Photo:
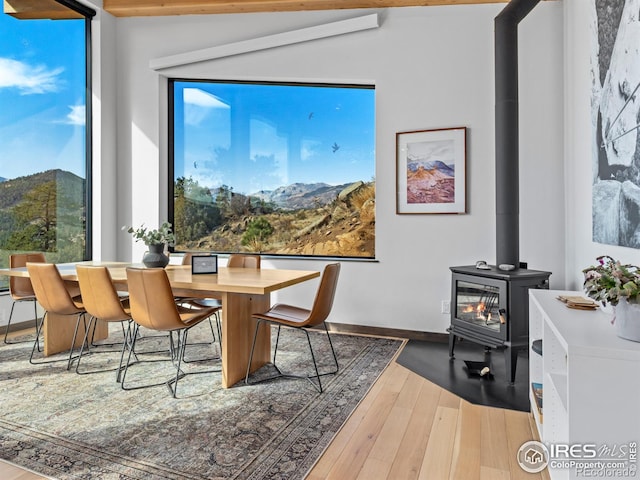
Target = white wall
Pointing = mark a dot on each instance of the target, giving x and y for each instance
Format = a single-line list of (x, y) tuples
[(433, 68), (105, 178)]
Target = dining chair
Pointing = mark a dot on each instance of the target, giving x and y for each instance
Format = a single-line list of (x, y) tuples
[(102, 302), (54, 297), (20, 288), (243, 260), (284, 315), (153, 306)]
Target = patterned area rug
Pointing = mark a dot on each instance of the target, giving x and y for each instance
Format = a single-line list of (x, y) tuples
[(69, 426)]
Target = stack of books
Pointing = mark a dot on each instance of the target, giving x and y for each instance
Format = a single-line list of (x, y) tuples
[(578, 302), (537, 394)]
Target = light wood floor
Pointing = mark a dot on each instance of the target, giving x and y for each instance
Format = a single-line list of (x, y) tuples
[(409, 428)]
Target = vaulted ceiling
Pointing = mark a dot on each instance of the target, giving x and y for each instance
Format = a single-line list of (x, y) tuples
[(132, 8)]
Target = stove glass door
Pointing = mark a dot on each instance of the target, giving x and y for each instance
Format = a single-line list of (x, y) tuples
[(479, 304)]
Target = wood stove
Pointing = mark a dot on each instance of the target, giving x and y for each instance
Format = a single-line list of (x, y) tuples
[(491, 307)]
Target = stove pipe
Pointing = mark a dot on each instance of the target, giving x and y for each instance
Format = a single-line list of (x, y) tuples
[(506, 130)]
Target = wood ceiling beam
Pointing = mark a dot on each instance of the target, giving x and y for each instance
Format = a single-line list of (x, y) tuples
[(135, 8), (38, 9)]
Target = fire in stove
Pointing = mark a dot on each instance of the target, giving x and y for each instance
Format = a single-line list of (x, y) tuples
[(480, 312), (479, 306)]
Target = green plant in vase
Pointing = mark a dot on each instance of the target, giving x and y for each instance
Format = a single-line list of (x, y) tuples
[(619, 285), (609, 281), (156, 240)]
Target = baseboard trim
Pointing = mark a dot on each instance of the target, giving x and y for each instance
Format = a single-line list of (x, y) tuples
[(333, 327), (388, 332)]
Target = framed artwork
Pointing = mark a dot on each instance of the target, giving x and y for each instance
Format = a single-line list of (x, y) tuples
[(430, 171)]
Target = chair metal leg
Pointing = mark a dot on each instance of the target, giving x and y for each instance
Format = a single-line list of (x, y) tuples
[(35, 311), (86, 343), (132, 347), (73, 340), (287, 375), (335, 358), (9, 323), (92, 321), (177, 350), (213, 333), (212, 343), (36, 342), (219, 326), (129, 336), (315, 365), (182, 341), (275, 348), (253, 347)]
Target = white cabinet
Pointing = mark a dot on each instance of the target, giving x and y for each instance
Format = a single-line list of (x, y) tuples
[(590, 377)]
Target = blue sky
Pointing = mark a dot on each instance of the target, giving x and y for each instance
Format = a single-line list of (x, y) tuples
[(42, 104), (293, 134), (282, 135)]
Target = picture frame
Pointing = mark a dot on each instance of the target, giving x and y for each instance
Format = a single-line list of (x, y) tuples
[(204, 264), (431, 171)]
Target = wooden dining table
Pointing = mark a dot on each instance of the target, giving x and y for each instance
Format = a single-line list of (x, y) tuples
[(243, 291)]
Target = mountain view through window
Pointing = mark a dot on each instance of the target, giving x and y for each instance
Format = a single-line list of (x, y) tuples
[(43, 142), (273, 168)]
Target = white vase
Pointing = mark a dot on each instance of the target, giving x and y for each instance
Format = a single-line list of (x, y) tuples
[(627, 320)]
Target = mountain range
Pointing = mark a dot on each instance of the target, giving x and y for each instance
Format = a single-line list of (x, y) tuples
[(13, 190), (448, 170), (301, 195)]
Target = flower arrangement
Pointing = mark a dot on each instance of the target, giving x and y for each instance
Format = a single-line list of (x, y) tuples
[(164, 234), (609, 281)]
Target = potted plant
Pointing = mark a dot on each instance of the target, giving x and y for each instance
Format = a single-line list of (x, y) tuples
[(612, 282), (156, 240)]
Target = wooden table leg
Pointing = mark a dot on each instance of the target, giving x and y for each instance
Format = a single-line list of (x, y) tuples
[(58, 332), (237, 335)]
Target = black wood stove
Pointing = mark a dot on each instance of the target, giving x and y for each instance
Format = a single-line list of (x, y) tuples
[(491, 307)]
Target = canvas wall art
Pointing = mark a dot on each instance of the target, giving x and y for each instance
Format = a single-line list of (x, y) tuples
[(615, 73)]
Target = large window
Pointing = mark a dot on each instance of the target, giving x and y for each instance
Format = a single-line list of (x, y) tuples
[(45, 137), (280, 169)]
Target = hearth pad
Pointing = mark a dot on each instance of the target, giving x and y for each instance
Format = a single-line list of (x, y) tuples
[(431, 361)]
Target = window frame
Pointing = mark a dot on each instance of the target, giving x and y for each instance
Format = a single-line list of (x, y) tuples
[(88, 14), (171, 81)]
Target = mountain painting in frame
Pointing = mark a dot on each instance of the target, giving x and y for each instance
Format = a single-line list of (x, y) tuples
[(430, 171)]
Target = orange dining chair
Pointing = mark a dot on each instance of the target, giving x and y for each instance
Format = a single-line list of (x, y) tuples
[(20, 288), (243, 260), (299, 318), (153, 306), (53, 295), (102, 302)]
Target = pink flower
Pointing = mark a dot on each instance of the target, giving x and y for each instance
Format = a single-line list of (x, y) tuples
[(592, 275)]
